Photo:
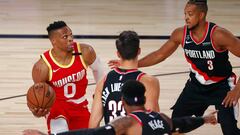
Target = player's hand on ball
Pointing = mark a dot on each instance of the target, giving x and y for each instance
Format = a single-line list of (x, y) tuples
[(39, 112)]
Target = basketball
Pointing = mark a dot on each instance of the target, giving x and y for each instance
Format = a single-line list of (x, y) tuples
[(40, 95)]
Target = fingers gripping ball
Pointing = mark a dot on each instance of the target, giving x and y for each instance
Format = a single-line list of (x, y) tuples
[(40, 95)]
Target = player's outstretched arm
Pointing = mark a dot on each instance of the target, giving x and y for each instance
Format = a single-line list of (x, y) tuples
[(188, 123), (225, 40), (165, 51), (97, 106)]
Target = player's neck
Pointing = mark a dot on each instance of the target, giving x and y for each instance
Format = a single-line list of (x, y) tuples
[(62, 57), (199, 31), (135, 108), (201, 27), (129, 64)]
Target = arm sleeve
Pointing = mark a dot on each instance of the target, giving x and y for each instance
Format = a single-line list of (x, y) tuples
[(105, 130), (97, 69), (186, 124)]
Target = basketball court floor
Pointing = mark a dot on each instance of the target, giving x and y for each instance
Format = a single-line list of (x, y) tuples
[(22, 40)]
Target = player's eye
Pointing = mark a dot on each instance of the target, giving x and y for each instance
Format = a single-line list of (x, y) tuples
[(190, 14), (65, 36)]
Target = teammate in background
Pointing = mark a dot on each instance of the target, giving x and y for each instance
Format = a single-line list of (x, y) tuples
[(212, 82), (64, 68), (107, 98), (139, 120)]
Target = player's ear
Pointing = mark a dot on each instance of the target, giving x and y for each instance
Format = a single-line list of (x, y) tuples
[(53, 41), (202, 15), (118, 54), (139, 51)]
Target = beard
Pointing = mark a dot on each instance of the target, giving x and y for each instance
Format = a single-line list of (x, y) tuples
[(70, 48)]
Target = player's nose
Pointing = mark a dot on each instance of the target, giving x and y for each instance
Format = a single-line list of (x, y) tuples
[(70, 38)]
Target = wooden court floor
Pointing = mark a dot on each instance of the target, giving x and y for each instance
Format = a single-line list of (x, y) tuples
[(95, 17)]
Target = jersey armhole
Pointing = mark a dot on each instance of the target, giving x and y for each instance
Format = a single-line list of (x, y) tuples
[(81, 56), (49, 66), (140, 76), (212, 41)]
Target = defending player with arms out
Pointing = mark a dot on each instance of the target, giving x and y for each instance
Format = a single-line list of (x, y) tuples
[(64, 68), (212, 82), (107, 98)]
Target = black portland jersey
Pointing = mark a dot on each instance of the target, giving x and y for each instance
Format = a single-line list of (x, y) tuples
[(207, 64), (111, 93), (152, 123)]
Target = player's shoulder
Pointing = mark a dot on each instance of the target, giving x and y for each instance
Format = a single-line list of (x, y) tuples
[(146, 78), (40, 67), (88, 53), (85, 46), (177, 34), (220, 32), (125, 121), (40, 64), (178, 30)]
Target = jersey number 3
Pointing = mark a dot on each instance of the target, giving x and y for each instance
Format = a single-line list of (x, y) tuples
[(115, 107), (210, 65)]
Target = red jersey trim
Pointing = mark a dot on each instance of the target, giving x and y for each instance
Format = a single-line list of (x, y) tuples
[(204, 75), (81, 56), (184, 35), (140, 76), (128, 71), (203, 38), (49, 66), (213, 44), (136, 118)]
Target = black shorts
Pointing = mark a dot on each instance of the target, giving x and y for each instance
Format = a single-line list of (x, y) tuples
[(195, 93), (195, 99)]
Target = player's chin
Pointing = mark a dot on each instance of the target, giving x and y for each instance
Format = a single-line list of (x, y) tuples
[(189, 26), (70, 48)]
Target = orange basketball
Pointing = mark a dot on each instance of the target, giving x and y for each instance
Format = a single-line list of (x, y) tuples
[(40, 95)]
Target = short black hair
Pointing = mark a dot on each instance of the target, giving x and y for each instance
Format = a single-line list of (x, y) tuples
[(133, 92), (55, 25), (201, 4), (127, 44)]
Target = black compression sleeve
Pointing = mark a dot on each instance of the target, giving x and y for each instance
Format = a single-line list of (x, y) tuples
[(105, 130), (186, 124)]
